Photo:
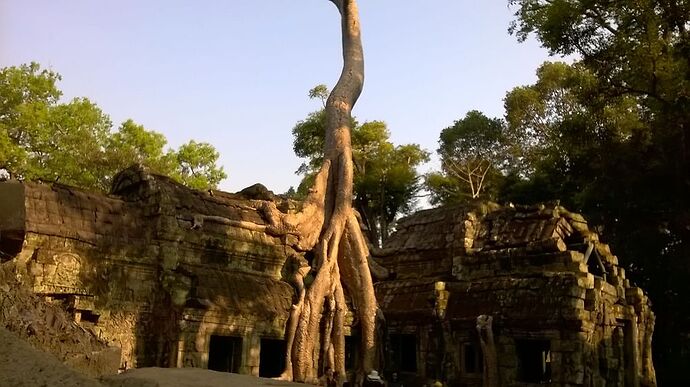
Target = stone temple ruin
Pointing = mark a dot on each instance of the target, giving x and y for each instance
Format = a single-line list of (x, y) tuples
[(176, 278), (563, 312)]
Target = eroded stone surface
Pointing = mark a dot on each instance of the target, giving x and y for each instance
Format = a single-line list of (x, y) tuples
[(154, 268), (552, 289), (22, 365), (48, 327), (160, 271)]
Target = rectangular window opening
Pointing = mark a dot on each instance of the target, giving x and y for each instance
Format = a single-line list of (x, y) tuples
[(89, 316)]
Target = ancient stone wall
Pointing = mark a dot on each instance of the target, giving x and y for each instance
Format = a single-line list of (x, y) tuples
[(558, 298), (183, 278), (155, 268)]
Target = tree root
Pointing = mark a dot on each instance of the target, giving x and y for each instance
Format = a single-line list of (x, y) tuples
[(327, 225)]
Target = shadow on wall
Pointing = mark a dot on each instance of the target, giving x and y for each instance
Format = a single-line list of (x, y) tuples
[(525, 358), (128, 266)]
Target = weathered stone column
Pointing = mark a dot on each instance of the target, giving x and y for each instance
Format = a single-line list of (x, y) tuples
[(486, 338)]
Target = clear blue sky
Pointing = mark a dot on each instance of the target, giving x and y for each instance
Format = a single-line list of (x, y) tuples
[(236, 73)]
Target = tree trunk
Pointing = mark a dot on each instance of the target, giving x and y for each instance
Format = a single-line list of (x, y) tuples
[(328, 226)]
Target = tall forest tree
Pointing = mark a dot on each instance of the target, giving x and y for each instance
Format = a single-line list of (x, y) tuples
[(42, 138), (621, 149), (386, 181), (327, 225), (474, 155)]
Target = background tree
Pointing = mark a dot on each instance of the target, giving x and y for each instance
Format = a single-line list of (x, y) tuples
[(42, 138), (132, 143), (567, 134), (386, 182), (474, 155), (195, 165), (25, 94), (628, 168), (386, 179)]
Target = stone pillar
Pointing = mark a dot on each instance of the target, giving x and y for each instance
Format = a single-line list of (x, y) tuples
[(632, 350), (251, 351)]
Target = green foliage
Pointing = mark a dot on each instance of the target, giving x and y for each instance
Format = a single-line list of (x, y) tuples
[(474, 156), (25, 94), (562, 125), (320, 92), (309, 136), (196, 165), (610, 135), (132, 143), (42, 138), (386, 181), (72, 151), (193, 164)]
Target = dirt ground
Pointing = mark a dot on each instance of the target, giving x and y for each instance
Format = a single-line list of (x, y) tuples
[(24, 366), (187, 377)]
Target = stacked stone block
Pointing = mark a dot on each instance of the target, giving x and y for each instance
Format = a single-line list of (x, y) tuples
[(553, 290), (155, 268), (158, 270)]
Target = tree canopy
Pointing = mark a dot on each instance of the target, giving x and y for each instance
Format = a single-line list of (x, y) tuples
[(386, 181), (610, 136), (474, 156), (43, 138)]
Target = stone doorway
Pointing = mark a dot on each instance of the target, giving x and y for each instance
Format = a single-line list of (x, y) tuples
[(272, 358), (225, 354), (533, 360), (403, 350)]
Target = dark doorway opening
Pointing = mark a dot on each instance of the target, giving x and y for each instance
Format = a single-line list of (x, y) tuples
[(472, 361), (534, 360), (225, 354), (11, 243), (351, 351), (272, 358), (404, 352)]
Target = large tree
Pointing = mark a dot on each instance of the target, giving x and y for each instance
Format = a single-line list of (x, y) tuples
[(474, 156), (623, 146), (327, 225), (42, 138), (192, 164), (386, 181), (602, 156)]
